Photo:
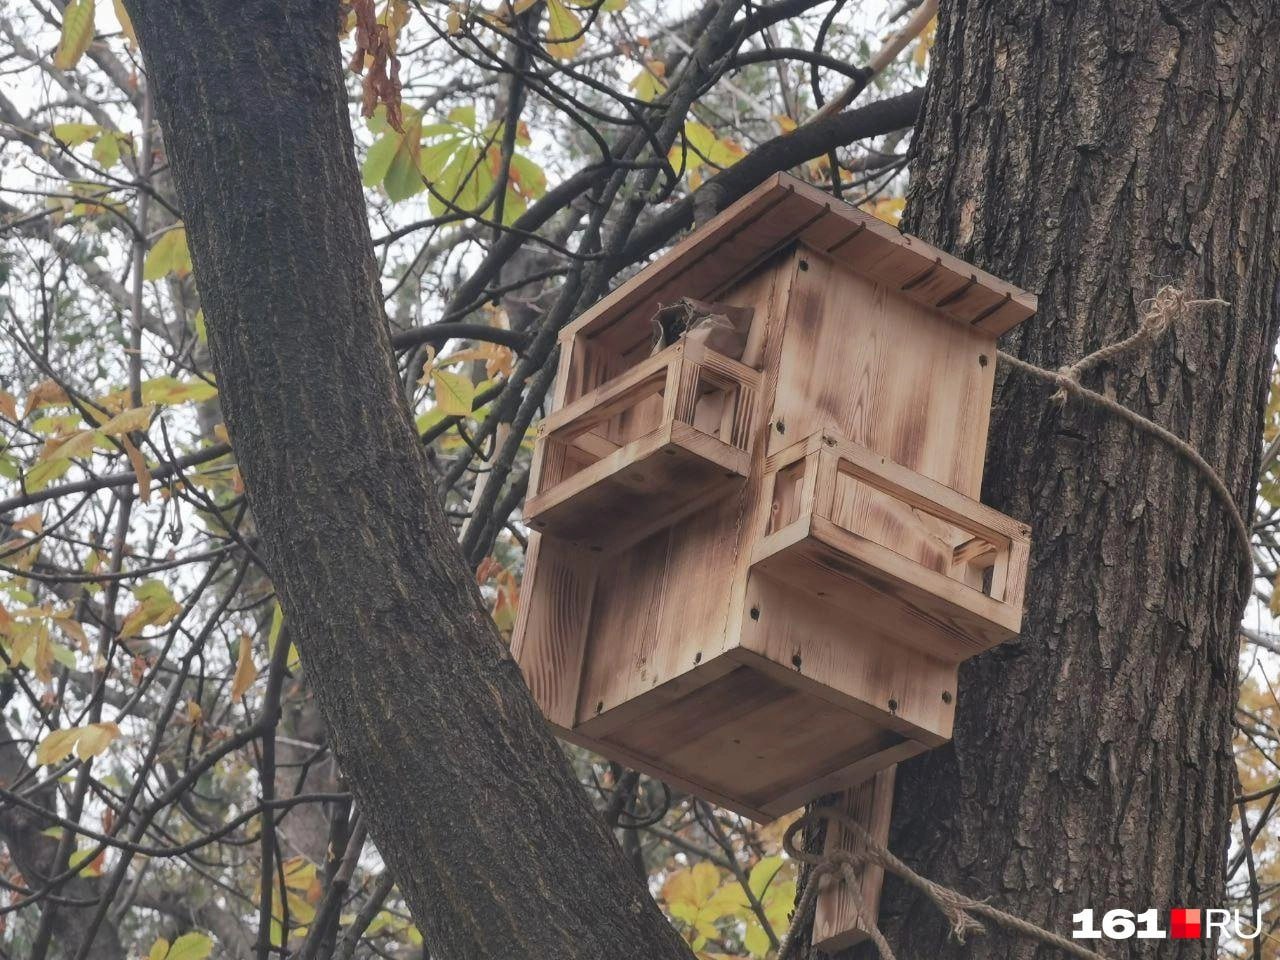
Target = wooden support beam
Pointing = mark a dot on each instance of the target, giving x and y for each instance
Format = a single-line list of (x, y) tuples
[(836, 923)]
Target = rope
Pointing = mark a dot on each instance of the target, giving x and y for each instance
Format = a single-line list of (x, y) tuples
[(956, 907), (1159, 314), (1162, 312)]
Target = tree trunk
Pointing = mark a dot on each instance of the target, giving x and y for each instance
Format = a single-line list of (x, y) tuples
[(466, 794), (1093, 152)]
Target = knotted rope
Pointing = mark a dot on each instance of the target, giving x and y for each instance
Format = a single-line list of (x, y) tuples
[(1160, 313), (959, 910)]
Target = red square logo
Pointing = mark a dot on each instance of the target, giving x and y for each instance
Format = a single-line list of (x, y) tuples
[(1184, 924)]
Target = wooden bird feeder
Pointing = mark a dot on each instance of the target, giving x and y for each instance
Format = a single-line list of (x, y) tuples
[(755, 576)]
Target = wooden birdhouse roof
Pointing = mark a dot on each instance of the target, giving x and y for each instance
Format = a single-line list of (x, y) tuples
[(784, 210)]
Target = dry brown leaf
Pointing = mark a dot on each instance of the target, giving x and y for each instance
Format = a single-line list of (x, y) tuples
[(44, 393)]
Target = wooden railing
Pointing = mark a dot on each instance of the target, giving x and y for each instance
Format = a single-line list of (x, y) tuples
[(642, 450), (855, 529)]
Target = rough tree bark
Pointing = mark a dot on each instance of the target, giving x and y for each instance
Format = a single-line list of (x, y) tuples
[(469, 799), (1092, 152)]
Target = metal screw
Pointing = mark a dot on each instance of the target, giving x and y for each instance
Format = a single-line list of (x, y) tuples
[(893, 705), (946, 696), (755, 613)]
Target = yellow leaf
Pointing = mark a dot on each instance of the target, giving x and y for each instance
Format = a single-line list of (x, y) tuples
[(95, 738), (298, 873), (77, 34), (42, 655), (73, 629), (246, 672), (564, 31), (785, 124), (692, 887), (46, 393), (498, 360), (156, 606), (126, 24), (166, 391), (649, 84), (139, 418), (79, 444), (169, 254), (139, 463), (191, 946), (455, 393), (888, 209), (57, 745), (921, 53), (159, 950)]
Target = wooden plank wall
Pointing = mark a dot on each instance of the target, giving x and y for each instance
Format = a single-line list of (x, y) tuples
[(886, 373)]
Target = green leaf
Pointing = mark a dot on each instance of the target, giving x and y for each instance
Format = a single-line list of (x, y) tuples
[(77, 34), (455, 393), (402, 179), (756, 940), (107, 151), (43, 474), (74, 134), (392, 161), (378, 160), (277, 623), (762, 874), (564, 31), (464, 116)]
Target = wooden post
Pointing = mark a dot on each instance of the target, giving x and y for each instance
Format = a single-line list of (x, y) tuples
[(835, 922)]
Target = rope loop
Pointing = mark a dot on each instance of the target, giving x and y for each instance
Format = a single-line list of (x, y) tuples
[(962, 912), (1160, 313)]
